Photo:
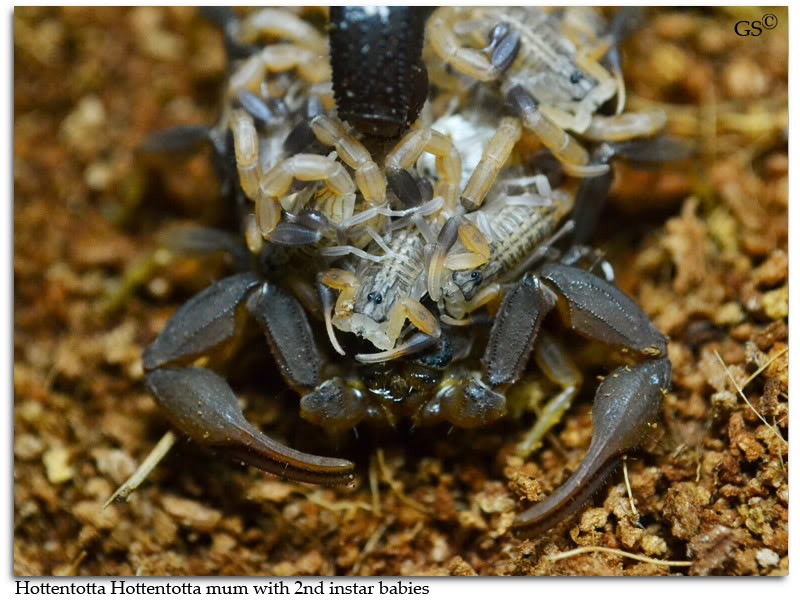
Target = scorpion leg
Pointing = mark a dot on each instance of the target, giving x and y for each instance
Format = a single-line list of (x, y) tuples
[(618, 128), (573, 156), (590, 199), (225, 19), (627, 401), (183, 240), (183, 138), (472, 63), (448, 162), (369, 177), (476, 244), (202, 405), (305, 167), (493, 159), (557, 366), (279, 58), (593, 192), (473, 240)]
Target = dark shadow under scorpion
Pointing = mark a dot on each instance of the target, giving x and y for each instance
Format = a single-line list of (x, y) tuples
[(435, 386)]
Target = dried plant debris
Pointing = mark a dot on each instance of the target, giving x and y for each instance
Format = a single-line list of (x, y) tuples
[(702, 248)]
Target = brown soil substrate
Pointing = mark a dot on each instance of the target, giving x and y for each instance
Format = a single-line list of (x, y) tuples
[(701, 246)]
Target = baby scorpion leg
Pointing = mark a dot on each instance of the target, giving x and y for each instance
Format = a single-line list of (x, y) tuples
[(559, 368), (472, 63), (304, 167), (471, 238), (618, 128), (369, 177), (476, 244), (420, 317), (494, 158), (279, 58), (201, 404), (573, 156), (448, 162)]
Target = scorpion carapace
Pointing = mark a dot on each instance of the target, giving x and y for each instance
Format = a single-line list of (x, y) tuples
[(424, 245)]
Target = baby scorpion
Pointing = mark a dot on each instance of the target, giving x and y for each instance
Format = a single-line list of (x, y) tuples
[(549, 84)]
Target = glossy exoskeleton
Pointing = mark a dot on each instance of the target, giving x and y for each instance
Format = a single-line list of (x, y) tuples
[(379, 80)]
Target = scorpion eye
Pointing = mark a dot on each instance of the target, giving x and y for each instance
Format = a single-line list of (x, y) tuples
[(474, 275), (375, 297), (575, 77)]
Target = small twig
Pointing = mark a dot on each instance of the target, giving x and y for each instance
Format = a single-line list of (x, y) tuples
[(156, 455), (639, 557), (628, 487), (342, 505), (764, 366), (397, 487), (373, 487), (741, 393), (372, 542)]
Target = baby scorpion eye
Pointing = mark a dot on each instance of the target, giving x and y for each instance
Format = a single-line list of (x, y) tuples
[(375, 297), (575, 77)]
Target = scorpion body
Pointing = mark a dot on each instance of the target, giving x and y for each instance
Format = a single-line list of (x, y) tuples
[(429, 258)]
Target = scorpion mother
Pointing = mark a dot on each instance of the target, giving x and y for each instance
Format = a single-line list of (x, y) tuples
[(321, 148)]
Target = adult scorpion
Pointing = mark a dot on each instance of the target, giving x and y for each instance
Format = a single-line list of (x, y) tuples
[(463, 255)]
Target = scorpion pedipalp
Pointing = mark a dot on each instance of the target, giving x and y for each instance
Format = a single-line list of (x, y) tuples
[(625, 406), (201, 404)]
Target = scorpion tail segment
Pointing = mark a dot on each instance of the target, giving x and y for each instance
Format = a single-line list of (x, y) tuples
[(289, 335), (626, 404), (379, 80), (514, 332), (201, 405), (600, 311), (203, 323), (181, 139)]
